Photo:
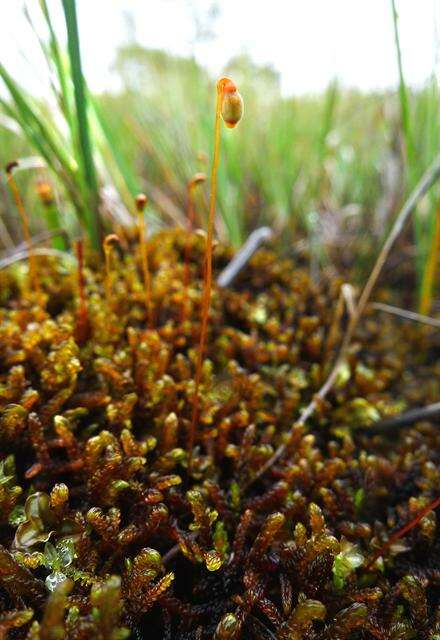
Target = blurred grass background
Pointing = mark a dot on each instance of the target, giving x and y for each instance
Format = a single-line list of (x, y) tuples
[(331, 168)]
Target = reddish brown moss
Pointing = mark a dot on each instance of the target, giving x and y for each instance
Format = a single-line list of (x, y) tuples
[(96, 500)]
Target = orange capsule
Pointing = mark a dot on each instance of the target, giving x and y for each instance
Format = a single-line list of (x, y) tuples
[(232, 105), (45, 192)]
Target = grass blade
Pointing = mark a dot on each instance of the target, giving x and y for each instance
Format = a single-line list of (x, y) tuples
[(85, 143), (403, 96), (131, 183), (65, 98)]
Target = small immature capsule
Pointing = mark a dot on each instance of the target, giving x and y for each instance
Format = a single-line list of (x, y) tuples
[(197, 178), (141, 202), (45, 193), (111, 239), (11, 166), (232, 103)]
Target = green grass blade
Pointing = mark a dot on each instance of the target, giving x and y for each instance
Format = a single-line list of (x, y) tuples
[(410, 151), (124, 168), (403, 96), (331, 97), (85, 142), (62, 73), (43, 137)]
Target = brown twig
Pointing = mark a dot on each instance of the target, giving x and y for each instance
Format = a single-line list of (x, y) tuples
[(404, 419), (37, 239), (38, 251), (345, 300), (242, 257), (403, 531), (406, 315)]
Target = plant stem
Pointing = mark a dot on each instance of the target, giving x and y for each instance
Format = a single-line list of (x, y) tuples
[(404, 530), (141, 202), (107, 246), (82, 318), (405, 314), (207, 285), (47, 198), (53, 223), (191, 218), (389, 425), (34, 282)]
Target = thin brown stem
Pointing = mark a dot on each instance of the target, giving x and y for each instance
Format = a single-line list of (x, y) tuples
[(141, 202), (34, 282), (404, 530), (405, 314), (207, 284), (82, 318), (335, 327), (389, 426), (107, 246), (197, 179)]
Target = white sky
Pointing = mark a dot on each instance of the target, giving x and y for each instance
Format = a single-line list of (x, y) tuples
[(308, 41)]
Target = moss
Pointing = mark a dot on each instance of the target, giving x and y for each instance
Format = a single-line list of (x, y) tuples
[(105, 532)]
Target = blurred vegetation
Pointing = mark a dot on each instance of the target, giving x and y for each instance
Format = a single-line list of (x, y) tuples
[(333, 168)]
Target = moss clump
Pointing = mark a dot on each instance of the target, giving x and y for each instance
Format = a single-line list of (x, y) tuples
[(104, 532)]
